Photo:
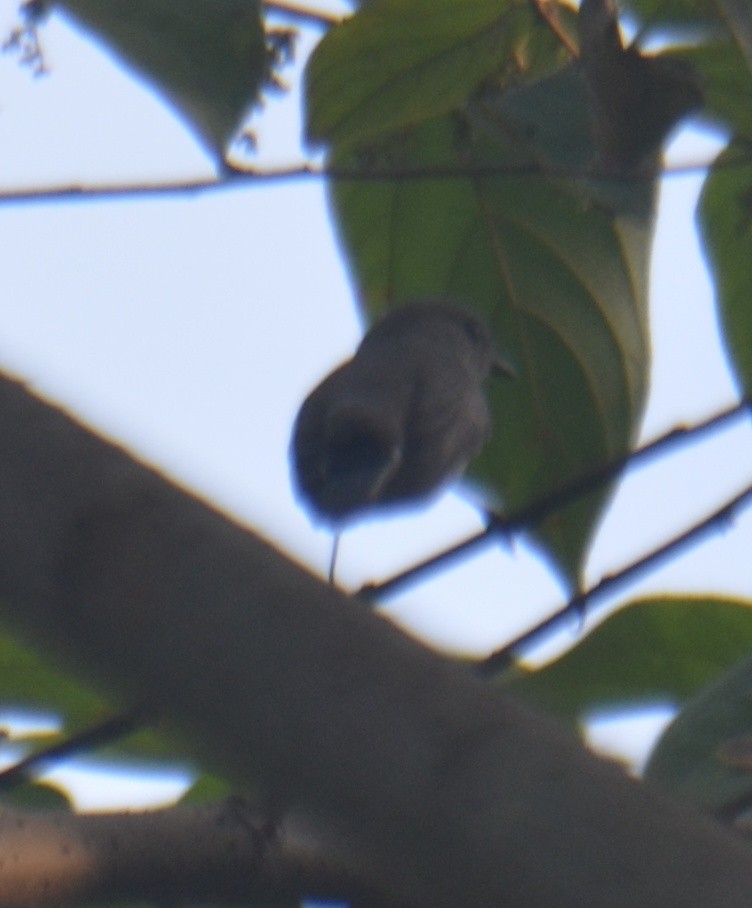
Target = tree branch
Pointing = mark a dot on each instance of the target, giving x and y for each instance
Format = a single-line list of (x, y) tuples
[(503, 658), (36, 763), (39, 762), (235, 176), (537, 511), (217, 853), (428, 782)]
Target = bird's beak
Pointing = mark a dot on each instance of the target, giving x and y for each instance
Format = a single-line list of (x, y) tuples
[(502, 368)]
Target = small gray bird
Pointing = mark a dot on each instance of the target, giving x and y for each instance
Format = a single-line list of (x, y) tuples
[(399, 419)]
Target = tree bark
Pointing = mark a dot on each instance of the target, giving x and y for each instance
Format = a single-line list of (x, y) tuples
[(435, 786), (215, 853)]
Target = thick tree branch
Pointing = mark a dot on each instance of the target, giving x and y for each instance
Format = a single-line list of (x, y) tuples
[(36, 763), (217, 853), (430, 783)]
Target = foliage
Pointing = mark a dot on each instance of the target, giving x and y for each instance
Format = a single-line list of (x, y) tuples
[(470, 163), (726, 223), (207, 56), (553, 264), (668, 649), (704, 756)]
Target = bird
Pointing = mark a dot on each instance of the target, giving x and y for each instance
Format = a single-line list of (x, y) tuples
[(393, 424)]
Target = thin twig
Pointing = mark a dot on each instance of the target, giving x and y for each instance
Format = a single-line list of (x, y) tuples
[(503, 658), (105, 732), (234, 177), (536, 511)]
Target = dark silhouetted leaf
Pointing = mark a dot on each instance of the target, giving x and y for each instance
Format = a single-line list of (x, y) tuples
[(726, 225), (700, 756), (726, 82), (207, 57)]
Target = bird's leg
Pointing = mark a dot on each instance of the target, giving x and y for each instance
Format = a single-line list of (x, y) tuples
[(333, 558)]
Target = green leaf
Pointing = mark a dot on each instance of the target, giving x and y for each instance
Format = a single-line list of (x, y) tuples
[(653, 650), (726, 83), (725, 215), (400, 62), (703, 755), (465, 147), (558, 267), (30, 682), (662, 14), (206, 788), (716, 39), (36, 796), (207, 57)]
